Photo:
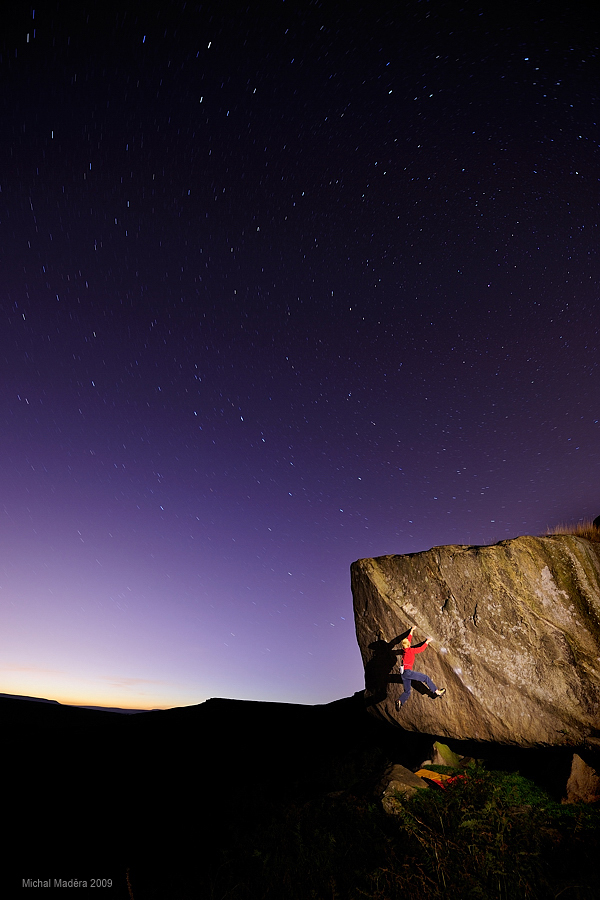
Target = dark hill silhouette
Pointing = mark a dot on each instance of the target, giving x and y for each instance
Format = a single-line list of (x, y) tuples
[(91, 786), (172, 790)]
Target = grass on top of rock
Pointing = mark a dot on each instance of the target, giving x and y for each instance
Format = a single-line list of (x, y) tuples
[(487, 836), (585, 529)]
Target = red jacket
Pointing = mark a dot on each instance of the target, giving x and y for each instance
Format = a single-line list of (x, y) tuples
[(408, 656)]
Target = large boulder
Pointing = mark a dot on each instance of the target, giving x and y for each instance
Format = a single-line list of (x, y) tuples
[(514, 634)]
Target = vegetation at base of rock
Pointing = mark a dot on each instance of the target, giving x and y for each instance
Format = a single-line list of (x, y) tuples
[(585, 529), (498, 835), (488, 836)]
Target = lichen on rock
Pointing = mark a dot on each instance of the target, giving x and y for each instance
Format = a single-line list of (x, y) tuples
[(514, 634)]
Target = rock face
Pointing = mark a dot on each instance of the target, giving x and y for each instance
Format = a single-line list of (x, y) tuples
[(514, 634)]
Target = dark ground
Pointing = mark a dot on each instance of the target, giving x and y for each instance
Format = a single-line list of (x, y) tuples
[(165, 798)]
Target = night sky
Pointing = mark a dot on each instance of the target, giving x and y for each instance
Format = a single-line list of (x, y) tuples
[(283, 285)]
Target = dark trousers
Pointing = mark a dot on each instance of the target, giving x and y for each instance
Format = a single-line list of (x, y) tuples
[(410, 675)]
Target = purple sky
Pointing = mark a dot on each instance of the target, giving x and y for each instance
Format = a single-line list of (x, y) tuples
[(280, 290)]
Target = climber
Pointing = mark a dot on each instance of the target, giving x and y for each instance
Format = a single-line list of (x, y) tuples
[(406, 661)]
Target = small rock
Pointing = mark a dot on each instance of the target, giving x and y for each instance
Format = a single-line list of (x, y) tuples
[(583, 785), (398, 780), (444, 756)]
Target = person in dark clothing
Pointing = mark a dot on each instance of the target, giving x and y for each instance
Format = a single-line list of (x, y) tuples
[(406, 660)]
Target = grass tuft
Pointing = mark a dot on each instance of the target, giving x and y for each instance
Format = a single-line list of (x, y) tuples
[(584, 529)]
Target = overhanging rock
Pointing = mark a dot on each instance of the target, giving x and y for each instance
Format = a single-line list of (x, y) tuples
[(514, 634)]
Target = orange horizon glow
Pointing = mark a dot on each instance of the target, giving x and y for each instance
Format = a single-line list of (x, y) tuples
[(94, 702), (121, 693)]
